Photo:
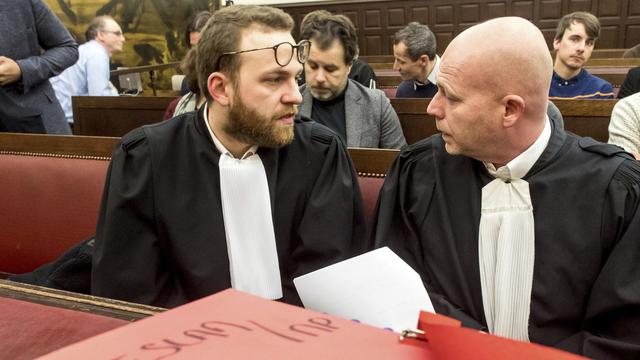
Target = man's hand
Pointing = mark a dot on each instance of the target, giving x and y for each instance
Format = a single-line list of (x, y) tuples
[(9, 71)]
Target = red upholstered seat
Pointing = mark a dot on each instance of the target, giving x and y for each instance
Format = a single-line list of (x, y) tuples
[(370, 187), (29, 330), (47, 205)]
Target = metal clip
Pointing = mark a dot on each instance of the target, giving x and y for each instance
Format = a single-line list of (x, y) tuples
[(413, 334)]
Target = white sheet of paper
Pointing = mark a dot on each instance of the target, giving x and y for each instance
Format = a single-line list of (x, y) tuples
[(377, 288)]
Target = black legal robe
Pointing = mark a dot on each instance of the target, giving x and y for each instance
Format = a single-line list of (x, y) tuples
[(160, 237), (585, 195)]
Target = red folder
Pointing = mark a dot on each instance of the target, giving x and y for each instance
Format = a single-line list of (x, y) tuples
[(447, 340), (234, 325)]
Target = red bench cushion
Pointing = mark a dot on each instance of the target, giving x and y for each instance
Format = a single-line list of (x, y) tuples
[(47, 205)]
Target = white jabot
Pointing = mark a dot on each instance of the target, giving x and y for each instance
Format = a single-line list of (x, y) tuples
[(506, 246), (248, 223)]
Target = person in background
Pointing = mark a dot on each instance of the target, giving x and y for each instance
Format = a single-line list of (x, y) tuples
[(89, 76), (192, 35), (631, 84), (193, 99), (362, 117), (415, 58), (360, 72), (633, 52), (35, 46), (195, 26), (576, 36), (517, 227)]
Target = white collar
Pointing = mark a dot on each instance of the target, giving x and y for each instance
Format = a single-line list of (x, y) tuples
[(223, 150), (518, 167)]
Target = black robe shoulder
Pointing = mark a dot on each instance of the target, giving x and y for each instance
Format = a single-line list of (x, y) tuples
[(160, 237)]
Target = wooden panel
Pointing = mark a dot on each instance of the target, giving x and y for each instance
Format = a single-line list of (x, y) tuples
[(609, 34), (372, 20), (420, 14), (444, 15), (446, 18), (632, 36), (523, 9), (587, 117), (77, 302), (85, 146), (582, 117), (609, 8), (353, 16), (496, 9), (416, 123), (634, 8), (550, 10), (373, 45), (396, 18), (115, 115), (579, 5), (372, 162), (469, 13)]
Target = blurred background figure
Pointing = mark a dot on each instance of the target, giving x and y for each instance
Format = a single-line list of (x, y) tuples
[(27, 60), (192, 35), (89, 76)]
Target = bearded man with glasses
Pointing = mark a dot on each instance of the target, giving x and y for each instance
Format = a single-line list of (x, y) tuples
[(244, 193)]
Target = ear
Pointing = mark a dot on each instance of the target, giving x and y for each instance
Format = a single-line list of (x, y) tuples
[(556, 44), (99, 37), (424, 59), (220, 88), (513, 110)]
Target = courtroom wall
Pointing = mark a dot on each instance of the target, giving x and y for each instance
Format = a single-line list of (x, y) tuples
[(377, 21), (154, 29)]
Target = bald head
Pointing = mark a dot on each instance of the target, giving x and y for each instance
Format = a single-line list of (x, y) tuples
[(507, 56)]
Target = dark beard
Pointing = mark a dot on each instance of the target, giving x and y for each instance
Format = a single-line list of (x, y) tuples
[(250, 127)]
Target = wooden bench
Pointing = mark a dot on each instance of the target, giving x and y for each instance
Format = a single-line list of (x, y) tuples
[(587, 117), (596, 54), (592, 63), (115, 115), (372, 166), (37, 320), (582, 117), (388, 78), (52, 188)]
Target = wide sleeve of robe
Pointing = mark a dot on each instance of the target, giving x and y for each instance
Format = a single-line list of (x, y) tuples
[(332, 227), (402, 206), (611, 328), (127, 263)]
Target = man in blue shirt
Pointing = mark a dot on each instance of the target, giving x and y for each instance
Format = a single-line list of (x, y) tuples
[(575, 38), (90, 75), (414, 52)]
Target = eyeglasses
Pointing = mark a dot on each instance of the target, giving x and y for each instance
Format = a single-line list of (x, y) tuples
[(116, 33), (283, 52)]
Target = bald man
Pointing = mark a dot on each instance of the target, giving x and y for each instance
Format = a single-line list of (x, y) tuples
[(516, 226)]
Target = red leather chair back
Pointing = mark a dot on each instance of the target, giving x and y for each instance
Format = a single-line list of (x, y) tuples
[(47, 204)]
